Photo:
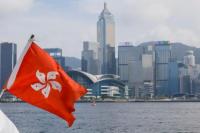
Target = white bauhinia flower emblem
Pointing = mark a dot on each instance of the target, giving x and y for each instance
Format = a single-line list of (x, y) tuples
[(46, 83)]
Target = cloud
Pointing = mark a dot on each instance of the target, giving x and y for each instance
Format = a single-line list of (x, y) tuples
[(52, 29), (10, 6), (164, 32), (66, 24)]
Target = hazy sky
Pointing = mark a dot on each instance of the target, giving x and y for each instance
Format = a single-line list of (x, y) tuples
[(67, 23)]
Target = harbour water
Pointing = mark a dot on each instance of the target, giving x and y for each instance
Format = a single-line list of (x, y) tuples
[(166, 117)]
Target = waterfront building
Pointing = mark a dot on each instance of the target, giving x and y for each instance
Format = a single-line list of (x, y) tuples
[(186, 85), (162, 59), (8, 57), (182, 71), (189, 75), (173, 77), (90, 57), (100, 86), (189, 78), (148, 75), (196, 86), (106, 39), (135, 79), (148, 91), (125, 54), (135, 68), (128, 57)]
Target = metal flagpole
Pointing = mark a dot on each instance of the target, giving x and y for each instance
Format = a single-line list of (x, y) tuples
[(2, 91)]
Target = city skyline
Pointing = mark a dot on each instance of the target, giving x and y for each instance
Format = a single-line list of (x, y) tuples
[(68, 23), (124, 66)]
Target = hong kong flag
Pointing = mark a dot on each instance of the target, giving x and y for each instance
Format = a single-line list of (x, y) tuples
[(39, 80)]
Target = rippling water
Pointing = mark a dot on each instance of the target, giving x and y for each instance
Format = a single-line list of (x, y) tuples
[(110, 118)]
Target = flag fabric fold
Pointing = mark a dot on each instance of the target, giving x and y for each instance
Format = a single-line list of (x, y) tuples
[(39, 80), (6, 125)]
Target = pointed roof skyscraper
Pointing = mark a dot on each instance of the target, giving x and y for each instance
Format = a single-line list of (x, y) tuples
[(105, 11), (106, 39)]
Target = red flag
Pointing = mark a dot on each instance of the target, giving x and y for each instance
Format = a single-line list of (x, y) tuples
[(40, 81)]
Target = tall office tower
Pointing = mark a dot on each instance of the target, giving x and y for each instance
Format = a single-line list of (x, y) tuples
[(148, 68), (56, 53), (8, 57), (186, 85), (189, 58), (173, 77), (89, 60), (135, 81), (125, 54), (106, 39), (161, 73)]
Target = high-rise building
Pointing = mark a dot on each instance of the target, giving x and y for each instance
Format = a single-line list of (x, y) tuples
[(125, 54), (189, 75), (90, 58), (186, 82), (147, 65), (135, 68), (196, 86), (148, 75), (128, 64), (106, 39), (135, 81), (8, 57), (189, 58), (161, 73), (173, 77)]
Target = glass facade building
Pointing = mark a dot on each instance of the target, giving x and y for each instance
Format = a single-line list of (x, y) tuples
[(8, 57), (101, 86), (125, 54), (162, 59), (106, 39), (90, 57), (173, 77)]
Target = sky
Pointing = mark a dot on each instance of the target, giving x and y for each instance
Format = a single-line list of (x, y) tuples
[(67, 23)]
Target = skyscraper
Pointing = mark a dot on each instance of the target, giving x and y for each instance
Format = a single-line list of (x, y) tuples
[(8, 57), (135, 81), (89, 59), (189, 58), (147, 66), (162, 59), (125, 54), (106, 39), (147, 72), (173, 77)]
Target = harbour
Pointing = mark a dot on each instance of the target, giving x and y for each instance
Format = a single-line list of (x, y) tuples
[(130, 117)]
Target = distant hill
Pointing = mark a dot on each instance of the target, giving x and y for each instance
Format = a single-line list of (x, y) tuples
[(73, 62), (179, 50)]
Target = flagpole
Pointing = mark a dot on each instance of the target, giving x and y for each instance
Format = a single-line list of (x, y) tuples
[(2, 91), (16, 68)]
